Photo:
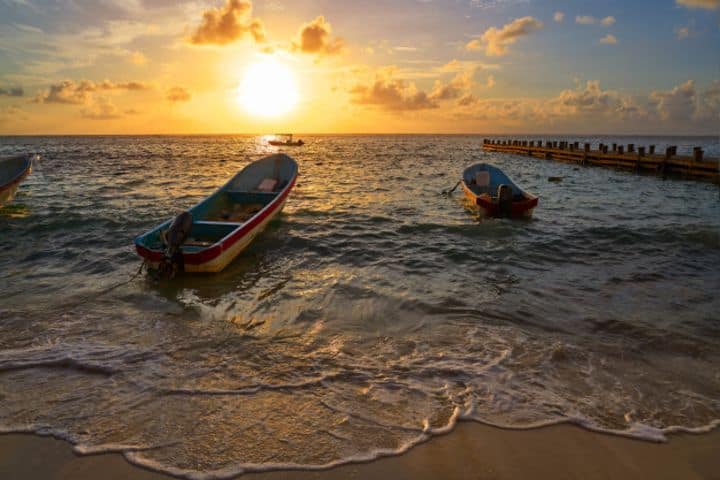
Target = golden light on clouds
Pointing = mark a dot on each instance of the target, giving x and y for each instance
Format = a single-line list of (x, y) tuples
[(268, 89)]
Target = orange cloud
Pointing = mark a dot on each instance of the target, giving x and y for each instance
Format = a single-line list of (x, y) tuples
[(707, 4), (11, 92), (71, 92), (496, 41), (178, 94), (314, 38), (101, 108), (228, 24), (392, 94), (455, 89)]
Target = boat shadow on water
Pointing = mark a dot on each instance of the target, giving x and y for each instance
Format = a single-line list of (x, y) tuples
[(256, 264)]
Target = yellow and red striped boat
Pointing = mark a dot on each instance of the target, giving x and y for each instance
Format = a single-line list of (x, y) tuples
[(220, 227)]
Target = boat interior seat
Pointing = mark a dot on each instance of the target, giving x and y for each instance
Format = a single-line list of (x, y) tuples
[(482, 181), (241, 196)]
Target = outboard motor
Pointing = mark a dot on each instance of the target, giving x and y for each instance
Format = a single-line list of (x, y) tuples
[(505, 199), (179, 231)]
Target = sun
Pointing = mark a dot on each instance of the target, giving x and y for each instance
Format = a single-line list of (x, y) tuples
[(268, 89)]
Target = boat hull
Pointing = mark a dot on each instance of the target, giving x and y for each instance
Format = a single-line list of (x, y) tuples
[(522, 206), (16, 171), (218, 256)]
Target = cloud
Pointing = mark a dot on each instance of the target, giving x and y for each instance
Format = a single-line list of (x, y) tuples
[(609, 39), (707, 4), (100, 108), (77, 93), (178, 94), (138, 58), (559, 17), (11, 92), (392, 94), (590, 98), (585, 20), (608, 21), (228, 24), (496, 41), (468, 100), (683, 33), (680, 103), (315, 38), (455, 89)]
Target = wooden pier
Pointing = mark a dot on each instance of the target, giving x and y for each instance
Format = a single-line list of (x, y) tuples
[(628, 157)]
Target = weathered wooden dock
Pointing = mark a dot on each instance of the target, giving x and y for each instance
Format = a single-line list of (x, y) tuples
[(629, 157)]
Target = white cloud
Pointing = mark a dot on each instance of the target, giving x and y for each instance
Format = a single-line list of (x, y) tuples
[(683, 33), (559, 17), (496, 41), (608, 21), (585, 20), (609, 39)]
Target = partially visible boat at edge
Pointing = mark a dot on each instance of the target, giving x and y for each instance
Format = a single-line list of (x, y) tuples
[(225, 223), (13, 170), (495, 194), (285, 140)]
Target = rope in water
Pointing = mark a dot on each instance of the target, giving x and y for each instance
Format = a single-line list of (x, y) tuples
[(101, 293)]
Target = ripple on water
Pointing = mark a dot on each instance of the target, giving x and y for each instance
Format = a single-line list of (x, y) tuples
[(372, 315)]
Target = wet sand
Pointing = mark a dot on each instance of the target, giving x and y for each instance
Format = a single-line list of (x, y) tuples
[(471, 451)]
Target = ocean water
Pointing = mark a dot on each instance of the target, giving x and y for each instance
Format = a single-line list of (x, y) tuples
[(372, 315)]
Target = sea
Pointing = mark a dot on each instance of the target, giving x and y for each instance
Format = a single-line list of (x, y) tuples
[(374, 314)]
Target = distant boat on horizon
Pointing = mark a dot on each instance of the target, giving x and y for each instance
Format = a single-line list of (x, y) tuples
[(285, 140)]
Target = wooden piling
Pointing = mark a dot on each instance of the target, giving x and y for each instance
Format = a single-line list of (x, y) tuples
[(698, 154)]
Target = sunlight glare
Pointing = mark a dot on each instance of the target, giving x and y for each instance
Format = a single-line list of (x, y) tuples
[(268, 89)]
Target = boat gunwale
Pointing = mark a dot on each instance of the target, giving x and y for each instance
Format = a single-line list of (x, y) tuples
[(213, 251)]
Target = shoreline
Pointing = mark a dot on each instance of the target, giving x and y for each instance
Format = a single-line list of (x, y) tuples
[(471, 450)]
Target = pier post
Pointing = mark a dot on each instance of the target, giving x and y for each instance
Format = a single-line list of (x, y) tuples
[(620, 150), (587, 147), (614, 147), (631, 147), (698, 154), (652, 149), (641, 151)]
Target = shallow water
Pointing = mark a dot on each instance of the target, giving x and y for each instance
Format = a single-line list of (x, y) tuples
[(374, 313)]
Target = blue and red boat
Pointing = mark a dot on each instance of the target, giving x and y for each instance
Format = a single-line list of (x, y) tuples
[(495, 194), (13, 170)]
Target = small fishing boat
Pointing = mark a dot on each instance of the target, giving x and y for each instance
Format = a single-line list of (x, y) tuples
[(495, 194), (285, 140), (13, 171), (211, 234)]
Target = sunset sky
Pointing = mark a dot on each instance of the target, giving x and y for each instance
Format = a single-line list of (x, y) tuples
[(336, 66)]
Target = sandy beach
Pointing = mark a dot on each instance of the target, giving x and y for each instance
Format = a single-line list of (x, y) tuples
[(472, 451)]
